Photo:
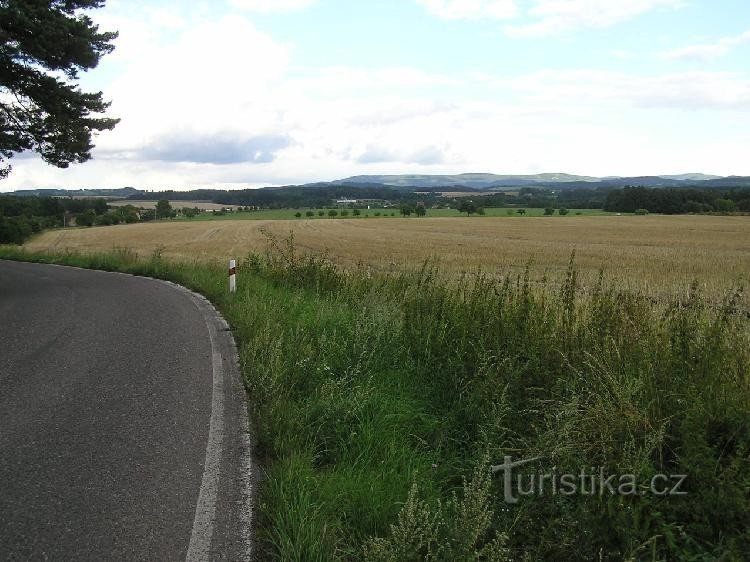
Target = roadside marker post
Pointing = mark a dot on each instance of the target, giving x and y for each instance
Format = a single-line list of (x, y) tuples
[(232, 276)]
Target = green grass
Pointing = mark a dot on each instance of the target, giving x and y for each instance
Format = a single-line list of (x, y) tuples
[(380, 400), (289, 214)]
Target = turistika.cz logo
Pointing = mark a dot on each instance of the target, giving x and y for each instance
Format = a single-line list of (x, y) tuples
[(589, 481)]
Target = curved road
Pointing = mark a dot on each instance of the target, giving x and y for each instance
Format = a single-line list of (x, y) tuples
[(123, 426)]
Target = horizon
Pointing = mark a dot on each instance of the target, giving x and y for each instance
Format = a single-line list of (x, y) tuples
[(219, 187), (251, 93)]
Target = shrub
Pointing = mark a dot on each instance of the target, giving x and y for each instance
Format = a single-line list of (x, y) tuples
[(562, 211), (309, 214), (333, 213), (549, 211), (641, 212), (298, 214), (86, 218)]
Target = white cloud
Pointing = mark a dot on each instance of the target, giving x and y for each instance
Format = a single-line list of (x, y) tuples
[(267, 6), (555, 16), (682, 91), (708, 51), (471, 9)]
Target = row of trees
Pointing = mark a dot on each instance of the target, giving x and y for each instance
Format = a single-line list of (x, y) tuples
[(672, 201), (20, 217)]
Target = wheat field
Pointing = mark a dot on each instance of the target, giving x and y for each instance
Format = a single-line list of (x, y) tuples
[(653, 252)]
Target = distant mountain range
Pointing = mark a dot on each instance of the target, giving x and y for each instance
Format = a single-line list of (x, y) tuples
[(477, 182), (493, 181)]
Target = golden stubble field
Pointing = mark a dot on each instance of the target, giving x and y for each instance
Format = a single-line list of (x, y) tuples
[(652, 252)]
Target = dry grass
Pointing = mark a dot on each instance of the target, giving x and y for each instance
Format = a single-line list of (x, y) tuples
[(655, 252)]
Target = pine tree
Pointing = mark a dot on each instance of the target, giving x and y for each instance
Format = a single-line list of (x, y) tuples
[(43, 47)]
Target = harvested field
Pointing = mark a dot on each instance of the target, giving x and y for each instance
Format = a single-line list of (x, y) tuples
[(658, 252)]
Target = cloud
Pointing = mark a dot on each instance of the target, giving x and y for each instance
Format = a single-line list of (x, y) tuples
[(708, 51), (587, 88), (217, 102), (556, 16), (426, 156), (267, 6), (228, 148), (471, 9)]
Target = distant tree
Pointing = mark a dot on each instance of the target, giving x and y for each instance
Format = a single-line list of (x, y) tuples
[(468, 207), (549, 211), (356, 212), (107, 219), (86, 218), (333, 213), (298, 214), (641, 211), (127, 214), (321, 213), (43, 47), (163, 209), (189, 212), (406, 210), (148, 215), (521, 211), (725, 205), (563, 211), (420, 211)]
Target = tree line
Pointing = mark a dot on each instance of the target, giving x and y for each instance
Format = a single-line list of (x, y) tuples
[(20, 217), (674, 201)]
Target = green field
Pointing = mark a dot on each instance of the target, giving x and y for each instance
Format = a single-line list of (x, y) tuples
[(380, 401)]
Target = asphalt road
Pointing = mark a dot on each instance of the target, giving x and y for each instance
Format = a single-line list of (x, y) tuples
[(123, 426)]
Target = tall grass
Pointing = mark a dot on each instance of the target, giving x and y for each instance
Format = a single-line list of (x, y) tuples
[(381, 400)]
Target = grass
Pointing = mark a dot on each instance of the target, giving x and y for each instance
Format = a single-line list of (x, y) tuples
[(651, 254), (381, 398)]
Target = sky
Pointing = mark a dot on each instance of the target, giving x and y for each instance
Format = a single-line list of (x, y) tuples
[(248, 93)]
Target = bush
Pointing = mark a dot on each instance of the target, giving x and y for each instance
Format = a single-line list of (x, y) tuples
[(321, 213), (309, 214), (725, 205), (562, 211), (641, 212), (298, 214), (86, 218), (333, 213), (15, 230), (549, 211)]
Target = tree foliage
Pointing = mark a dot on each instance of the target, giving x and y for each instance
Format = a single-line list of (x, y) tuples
[(672, 201), (43, 47)]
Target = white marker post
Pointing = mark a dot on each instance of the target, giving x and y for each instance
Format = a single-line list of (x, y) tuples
[(232, 276)]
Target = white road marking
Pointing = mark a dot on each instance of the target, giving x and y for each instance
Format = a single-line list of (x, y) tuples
[(205, 511)]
